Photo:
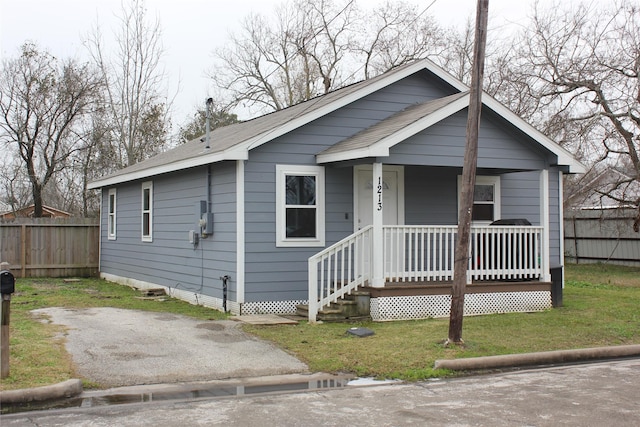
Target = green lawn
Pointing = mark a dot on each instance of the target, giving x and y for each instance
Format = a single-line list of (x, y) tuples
[(601, 307)]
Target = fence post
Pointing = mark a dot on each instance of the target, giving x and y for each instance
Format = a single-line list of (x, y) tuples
[(23, 251), (4, 323)]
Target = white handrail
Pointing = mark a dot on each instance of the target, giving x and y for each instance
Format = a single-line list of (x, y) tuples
[(339, 270)]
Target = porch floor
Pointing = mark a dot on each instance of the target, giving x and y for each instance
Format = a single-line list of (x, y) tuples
[(396, 289)]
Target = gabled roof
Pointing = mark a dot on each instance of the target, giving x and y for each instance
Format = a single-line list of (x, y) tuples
[(27, 211), (234, 142), (377, 139)]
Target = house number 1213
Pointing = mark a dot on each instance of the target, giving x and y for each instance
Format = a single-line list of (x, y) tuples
[(379, 193)]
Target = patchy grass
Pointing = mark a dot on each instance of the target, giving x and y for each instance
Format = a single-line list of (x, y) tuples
[(38, 356), (601, 307)]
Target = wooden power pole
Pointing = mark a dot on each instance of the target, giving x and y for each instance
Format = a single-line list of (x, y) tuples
[(461, 262)]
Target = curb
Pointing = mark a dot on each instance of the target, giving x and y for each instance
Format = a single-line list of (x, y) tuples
[(69, 388), (541, 358)]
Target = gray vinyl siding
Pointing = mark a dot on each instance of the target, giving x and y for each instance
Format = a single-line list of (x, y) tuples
[(443, 144), (520, 195), (170, 260), (276, 273), (423, 186)]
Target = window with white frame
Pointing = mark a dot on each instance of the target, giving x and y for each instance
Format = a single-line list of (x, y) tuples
[(299, 205), (111, 214), (486, 199), (147, 211)]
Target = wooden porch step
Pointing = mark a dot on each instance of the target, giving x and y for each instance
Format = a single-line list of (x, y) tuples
[(342, 311)]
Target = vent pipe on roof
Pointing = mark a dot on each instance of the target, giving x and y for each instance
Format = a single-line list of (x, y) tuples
[(208, 115)]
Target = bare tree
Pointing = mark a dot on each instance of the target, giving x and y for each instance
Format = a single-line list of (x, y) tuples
[(43, 103), (272, 66), (137, 110), (395, 33), (315, 46), (582, 68)]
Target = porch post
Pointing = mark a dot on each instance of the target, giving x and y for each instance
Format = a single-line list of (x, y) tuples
[(544, 222), (377, 278)]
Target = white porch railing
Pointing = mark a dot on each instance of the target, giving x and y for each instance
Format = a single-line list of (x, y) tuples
[(424, 253)]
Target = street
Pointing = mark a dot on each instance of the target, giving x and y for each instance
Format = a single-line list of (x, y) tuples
[(594, 394)]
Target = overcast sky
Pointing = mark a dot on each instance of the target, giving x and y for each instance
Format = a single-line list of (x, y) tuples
[(192, 29)]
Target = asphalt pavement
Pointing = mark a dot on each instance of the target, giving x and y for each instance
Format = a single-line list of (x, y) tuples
[(593, 394), (117, 347)]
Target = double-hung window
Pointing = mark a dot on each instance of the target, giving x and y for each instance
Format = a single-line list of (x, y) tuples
[(147, 211), (299, 205), (111, 214), (486, 199)]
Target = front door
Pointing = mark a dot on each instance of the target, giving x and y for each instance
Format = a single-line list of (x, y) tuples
[(392, 209), (392, 192)]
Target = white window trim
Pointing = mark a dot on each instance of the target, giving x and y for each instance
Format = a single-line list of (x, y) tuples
[(112, 216), (281, 172), (149, 237), (485, 180)]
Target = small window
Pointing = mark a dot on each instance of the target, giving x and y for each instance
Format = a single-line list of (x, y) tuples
[(147, 211), (300, 205), (111, 215), (486, 199)]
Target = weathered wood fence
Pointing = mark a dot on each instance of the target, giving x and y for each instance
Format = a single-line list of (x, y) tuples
[(604, 236), (50, 247)]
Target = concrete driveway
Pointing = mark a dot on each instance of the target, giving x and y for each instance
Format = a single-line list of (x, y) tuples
[(116, 347)]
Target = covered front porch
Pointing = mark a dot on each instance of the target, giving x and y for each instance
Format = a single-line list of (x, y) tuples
[(408, 270)]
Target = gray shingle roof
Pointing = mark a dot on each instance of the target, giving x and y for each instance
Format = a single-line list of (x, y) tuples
[(227, 138), (392, 124)]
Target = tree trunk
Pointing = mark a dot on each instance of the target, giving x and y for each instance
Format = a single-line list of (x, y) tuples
[(461, 261), (37, 200)]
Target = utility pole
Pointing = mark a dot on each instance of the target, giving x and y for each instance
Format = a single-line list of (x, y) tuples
[(461, 261)]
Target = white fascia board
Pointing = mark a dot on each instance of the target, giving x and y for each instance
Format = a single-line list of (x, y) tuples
[(424, 123), (440, 72), (314, 114), (564, 157), (169, 167), (381, 148), (240, 152)]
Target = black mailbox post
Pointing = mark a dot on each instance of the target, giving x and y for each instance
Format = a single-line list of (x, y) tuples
[(7, 282), (7, 287)]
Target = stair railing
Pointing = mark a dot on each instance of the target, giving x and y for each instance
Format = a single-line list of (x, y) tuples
[(339, 270)]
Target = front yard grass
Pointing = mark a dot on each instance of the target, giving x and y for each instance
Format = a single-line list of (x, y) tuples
[(601, 307)]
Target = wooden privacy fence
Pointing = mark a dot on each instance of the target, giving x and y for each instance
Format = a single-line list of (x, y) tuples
[(601, 235), (47, 247)]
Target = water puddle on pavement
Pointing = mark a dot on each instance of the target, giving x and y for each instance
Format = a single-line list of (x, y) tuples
[(95, 399)]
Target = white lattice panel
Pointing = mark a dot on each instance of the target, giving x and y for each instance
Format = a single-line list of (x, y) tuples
[(271, 307), (426, 306)]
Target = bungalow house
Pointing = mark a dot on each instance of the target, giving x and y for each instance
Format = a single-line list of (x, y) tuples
[(355, 189)]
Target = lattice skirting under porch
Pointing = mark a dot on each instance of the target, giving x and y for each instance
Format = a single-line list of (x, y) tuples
[(271, 307), (426, 306)]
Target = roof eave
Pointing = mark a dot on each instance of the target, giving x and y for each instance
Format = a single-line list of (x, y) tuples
[(565, 158), (170, 167)]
